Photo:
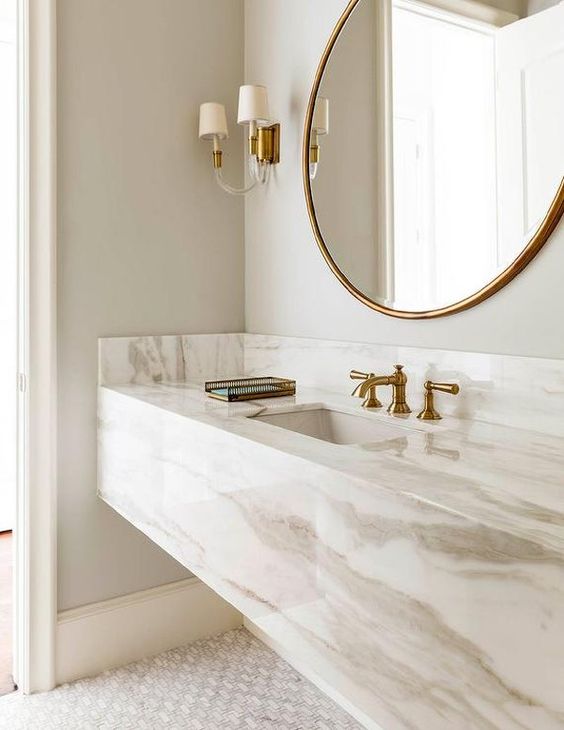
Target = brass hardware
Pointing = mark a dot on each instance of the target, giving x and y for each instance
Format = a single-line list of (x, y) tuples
[(367, 389), (359, 375), (263, 144), (268, 145), (314, 147), (371, 400), (429, 413), (537, 241), (217, 159), (399, 405)]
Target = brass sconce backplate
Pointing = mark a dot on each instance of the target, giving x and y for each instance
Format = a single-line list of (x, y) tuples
[(268, 148)]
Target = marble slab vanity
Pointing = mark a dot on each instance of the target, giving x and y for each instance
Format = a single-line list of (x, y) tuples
[(416, 568)]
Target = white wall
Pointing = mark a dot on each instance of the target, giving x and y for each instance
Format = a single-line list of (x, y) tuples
[(8, 10), (289, 288), (147, 243)]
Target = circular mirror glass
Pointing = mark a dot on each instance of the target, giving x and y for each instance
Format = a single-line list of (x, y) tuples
[(434, 149)]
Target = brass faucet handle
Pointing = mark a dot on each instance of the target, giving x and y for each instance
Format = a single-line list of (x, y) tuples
[(399, 375), (358, 375), (452, 388), (429, 413), (370, 399)]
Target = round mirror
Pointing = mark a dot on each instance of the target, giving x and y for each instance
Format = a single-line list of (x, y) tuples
[(433, 153)]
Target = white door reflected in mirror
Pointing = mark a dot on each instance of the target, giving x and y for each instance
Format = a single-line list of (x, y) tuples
[(446, 146)]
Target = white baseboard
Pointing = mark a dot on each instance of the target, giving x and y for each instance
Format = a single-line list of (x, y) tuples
[(313, 677), (100, 636)]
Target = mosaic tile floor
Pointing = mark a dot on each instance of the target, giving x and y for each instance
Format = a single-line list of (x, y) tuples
[(230, 681)]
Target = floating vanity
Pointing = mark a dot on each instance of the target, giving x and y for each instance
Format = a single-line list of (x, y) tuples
[(414, 568)]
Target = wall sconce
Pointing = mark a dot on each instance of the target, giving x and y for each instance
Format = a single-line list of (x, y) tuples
[(263, 137), (319, 127)]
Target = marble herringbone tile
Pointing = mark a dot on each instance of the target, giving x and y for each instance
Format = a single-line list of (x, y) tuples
[(231, 681)]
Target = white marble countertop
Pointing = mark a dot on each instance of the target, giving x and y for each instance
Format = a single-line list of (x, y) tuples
[(420, 576), (505, 478)]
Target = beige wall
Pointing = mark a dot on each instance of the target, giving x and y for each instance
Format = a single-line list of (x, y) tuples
[(536, 6), (518, 7), (289, 288), (147, 243)]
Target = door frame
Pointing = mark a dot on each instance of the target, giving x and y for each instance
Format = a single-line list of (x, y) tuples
[(35, 584)]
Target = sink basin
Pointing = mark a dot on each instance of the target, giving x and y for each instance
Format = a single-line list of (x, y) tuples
[(333, 426)]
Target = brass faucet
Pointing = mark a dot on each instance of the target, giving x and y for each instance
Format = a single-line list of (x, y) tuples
[(367, 389), (429, 413)]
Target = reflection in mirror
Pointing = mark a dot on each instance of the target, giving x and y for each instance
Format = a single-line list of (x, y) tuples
[(319, 127), (446, 147)]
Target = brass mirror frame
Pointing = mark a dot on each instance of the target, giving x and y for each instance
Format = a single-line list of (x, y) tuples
[(541, 236)]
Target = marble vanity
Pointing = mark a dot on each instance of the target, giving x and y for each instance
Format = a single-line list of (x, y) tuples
[(415, 568)]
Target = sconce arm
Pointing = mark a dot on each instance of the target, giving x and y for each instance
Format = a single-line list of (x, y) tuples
[(229, 188)]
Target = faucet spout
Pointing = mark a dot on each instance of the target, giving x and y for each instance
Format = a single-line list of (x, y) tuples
[(370, 381), (367, 389)]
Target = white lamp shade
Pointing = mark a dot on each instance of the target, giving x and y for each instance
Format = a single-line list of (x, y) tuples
[(253, 105), (213, 121), (320, 121)]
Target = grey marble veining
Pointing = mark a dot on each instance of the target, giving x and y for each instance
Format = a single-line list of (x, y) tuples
[(169, 358), (422, 576), (526, 393)]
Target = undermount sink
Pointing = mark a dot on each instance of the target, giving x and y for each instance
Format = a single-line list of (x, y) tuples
[(333, 426)]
